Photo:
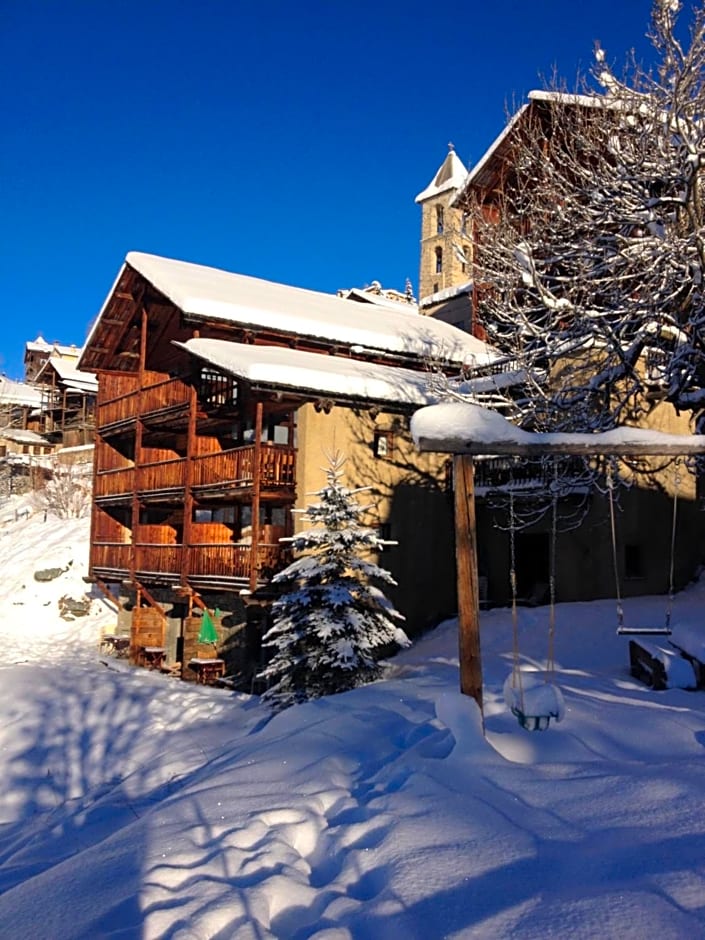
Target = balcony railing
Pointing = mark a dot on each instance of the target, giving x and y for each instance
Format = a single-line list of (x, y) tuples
[(111, 555), (115, 482), (160, 396), (161, 475), (236, 467), (215, 561)]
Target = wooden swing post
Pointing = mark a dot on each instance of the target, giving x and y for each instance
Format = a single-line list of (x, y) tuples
[(467, 579)]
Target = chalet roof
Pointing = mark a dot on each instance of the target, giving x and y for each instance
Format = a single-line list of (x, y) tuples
[(481, 174), (209, 294), (23, 436), (450, 175), (70, 376), (336, 377), (19, 393), (37, 345)]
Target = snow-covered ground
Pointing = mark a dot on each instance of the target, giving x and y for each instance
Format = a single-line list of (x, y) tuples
[(135, 806)]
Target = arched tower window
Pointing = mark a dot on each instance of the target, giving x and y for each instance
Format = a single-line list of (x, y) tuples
[(439, 260), (440, 219)]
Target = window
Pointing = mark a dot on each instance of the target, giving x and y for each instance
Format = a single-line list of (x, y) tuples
[(439, 260), (383, 444), (439, 219)]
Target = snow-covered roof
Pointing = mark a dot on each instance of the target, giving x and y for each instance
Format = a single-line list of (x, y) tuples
[(450, 175), (18, 393), (71, 376), (37, 345), (472, 175), (446, 294), (397, 300), (556, 97), (460, 428), (212, 294), (22, 436), (327, 376)]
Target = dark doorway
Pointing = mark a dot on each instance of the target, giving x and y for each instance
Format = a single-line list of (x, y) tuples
[(533, 567)]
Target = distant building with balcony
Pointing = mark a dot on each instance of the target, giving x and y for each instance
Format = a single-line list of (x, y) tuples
[(219, 397)]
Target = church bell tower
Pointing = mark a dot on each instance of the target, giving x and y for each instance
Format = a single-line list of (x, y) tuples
[(445, 242)]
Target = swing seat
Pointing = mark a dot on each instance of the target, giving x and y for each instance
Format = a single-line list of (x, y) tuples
[(532, 722), (644, 631), (534, 702)]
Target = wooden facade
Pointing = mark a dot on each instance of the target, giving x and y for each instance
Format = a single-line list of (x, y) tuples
[(197, 468)]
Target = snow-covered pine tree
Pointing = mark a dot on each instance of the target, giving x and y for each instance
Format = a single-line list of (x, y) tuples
[(331, 622)]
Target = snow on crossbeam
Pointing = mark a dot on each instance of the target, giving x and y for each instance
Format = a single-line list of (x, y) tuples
[(460, 428)]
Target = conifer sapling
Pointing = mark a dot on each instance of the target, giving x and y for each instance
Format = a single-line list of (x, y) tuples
[(331, 623)]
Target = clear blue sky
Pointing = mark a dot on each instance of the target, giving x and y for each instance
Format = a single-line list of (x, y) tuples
[(278, 139)]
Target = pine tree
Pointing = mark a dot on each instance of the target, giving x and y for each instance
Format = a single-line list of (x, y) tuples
[(331, 622)]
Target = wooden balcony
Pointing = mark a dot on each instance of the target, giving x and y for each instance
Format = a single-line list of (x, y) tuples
[(111, 556), (165, 395), (215, 563), (236, 468), (114, 483), (227, 470), (161, 476)]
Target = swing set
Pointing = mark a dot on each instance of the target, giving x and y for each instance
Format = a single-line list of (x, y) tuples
[(466, 431)]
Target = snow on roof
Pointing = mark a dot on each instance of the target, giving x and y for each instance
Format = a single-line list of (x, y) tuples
[(210, 293), (18, 393), (446, 294), (22, 436), (382, 298), (475, 171), (450, 175), (70, 375), (557, 97), (330, 376), (37, 345), (459, 428)]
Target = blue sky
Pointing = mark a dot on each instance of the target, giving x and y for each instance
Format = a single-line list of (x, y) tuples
[(282, 140)]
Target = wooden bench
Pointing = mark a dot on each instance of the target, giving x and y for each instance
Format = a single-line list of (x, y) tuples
[(207, 671), (660, 667)]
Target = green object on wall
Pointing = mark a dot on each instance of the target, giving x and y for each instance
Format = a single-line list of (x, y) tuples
[(207, 633)]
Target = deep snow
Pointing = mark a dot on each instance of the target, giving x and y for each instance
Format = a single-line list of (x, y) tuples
[(136, 806)]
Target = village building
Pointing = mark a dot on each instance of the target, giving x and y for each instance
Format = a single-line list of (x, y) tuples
[(648, 558), (220, 396)]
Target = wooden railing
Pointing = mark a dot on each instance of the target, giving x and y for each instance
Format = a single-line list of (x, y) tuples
[(233, 561), (237, 466), (114, 482), (215, 560), (161, 475), (159, 396), (114, 555), (162, 559)]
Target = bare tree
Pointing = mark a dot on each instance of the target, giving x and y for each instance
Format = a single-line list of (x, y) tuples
[(68, 488), (590, 245)]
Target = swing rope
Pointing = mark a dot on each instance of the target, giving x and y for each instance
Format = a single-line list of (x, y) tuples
[(613, 525), (550, 656), (671, 572), (516, 670)]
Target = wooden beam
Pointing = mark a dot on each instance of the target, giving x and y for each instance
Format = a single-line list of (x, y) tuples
[(256, 489), (467, 581)]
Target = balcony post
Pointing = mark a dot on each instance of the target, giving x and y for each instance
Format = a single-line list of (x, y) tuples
[(256, 484)]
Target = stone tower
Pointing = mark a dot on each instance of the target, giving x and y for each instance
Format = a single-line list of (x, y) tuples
[(445, 243)]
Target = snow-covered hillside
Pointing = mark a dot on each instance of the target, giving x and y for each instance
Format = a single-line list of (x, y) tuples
[(136, 806)]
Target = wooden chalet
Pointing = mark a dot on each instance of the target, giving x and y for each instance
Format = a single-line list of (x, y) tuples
[(218, 396)]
